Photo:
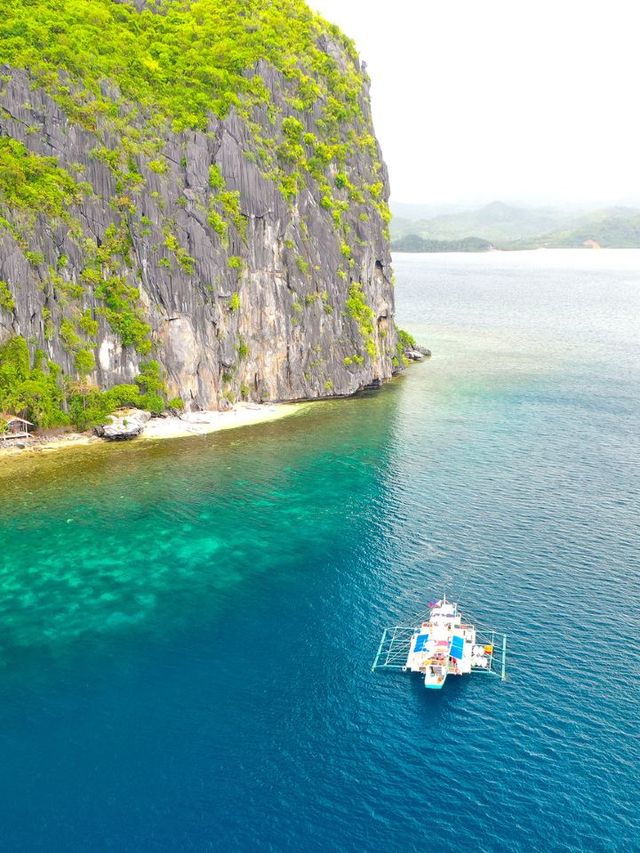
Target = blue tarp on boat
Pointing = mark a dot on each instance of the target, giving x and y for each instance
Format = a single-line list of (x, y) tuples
[(457, 645), (421, 642)]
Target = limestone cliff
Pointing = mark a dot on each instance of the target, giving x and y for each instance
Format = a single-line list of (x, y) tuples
[(241, 245)]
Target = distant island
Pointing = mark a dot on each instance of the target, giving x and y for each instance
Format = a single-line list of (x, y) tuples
[(415, 243), (509, 227)]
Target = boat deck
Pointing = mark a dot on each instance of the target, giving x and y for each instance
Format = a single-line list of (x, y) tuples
[(396, 643)]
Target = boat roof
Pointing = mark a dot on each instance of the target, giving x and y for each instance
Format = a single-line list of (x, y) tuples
[(421, 642)]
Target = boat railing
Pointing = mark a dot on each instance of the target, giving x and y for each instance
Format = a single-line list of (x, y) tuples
[(394, 647), (497, 657)]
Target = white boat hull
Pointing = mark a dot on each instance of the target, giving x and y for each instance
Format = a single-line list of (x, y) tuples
[(443, 645)]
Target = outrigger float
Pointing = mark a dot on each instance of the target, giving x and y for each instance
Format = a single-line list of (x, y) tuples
[(443, 644)]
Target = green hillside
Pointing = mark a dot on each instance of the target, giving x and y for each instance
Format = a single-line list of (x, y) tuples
[(510, 227)]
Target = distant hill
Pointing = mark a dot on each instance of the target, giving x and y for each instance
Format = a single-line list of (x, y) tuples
[(493, 222), (608, 231), (511, 227), (413, 243)]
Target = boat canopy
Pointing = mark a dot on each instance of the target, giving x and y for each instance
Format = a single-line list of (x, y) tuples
[(421, 642), (457, 646)]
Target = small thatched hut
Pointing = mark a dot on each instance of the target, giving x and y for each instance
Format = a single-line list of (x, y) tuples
[(11, 426)]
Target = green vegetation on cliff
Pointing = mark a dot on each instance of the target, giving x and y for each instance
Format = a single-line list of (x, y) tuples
[(177, 60), (32, 388), (359, 310), (176, 63), (34, 183), (185, 120)]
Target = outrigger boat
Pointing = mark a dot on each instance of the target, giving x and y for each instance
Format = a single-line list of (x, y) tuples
[(443, 644)]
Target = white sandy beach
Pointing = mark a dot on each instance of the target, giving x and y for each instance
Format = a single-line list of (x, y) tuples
[(173, 426), (200, 423)]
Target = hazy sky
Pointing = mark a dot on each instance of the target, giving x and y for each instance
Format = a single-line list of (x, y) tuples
[(476, 100)]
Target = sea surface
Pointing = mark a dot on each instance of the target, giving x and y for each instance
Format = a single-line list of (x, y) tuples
[(187, 627)]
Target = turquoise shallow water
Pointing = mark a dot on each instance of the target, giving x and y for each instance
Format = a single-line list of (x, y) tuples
[(186, 628)]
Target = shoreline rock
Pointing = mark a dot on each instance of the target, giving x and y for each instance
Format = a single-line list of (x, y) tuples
[(124, 425), (417, 353)]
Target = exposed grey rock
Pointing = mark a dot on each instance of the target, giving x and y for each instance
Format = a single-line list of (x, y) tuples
[(297, 339), (124, 424)]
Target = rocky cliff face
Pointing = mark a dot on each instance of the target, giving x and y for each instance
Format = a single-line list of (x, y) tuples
[(248, 255)]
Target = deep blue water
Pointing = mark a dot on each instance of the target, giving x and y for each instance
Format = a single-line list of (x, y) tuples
[(187, 628)]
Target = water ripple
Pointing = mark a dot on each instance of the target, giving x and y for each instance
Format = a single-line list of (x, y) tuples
[(187, 629)]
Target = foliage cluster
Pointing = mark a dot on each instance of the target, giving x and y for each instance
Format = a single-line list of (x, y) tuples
[(174, 63), (36, 390), (184, 259), (359, 310), (179, 59), (7, 302), (106, 272), (35, 183), (31, 390), (405, 340), (224, 205)]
